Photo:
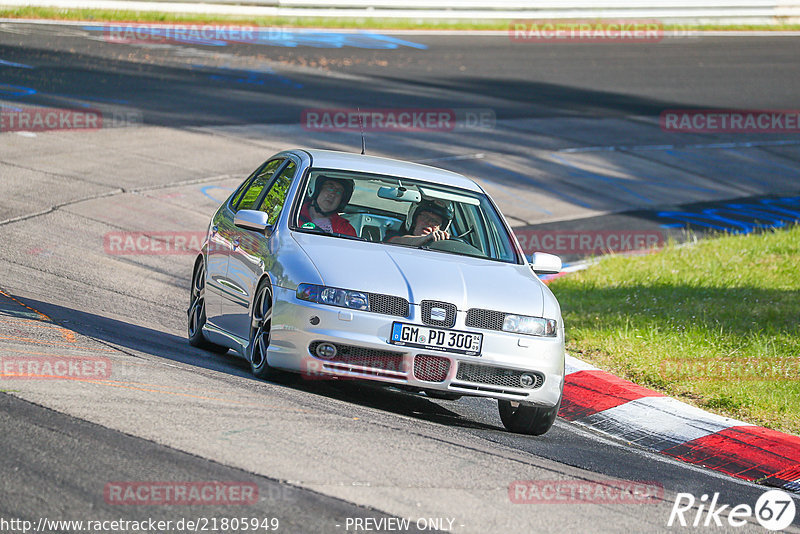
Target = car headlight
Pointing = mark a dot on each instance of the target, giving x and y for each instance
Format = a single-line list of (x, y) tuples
[(333, 296), (532, 326)]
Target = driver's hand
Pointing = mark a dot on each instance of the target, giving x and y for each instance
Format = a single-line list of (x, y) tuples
[(435, 233)]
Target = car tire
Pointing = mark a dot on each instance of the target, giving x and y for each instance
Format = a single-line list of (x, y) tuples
[(196, 314), (530, 420), (260, 326)]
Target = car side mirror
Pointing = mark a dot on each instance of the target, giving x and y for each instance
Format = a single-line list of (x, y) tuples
[(543, 263), (257, 221)]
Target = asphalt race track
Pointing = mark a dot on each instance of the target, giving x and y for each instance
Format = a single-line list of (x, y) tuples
[(569, 138)]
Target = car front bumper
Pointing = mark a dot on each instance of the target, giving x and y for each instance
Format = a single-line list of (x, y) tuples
[(364, 352)]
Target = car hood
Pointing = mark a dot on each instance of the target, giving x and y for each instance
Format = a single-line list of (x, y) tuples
[(418, 275)]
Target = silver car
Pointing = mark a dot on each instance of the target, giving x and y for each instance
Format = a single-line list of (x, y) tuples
[(338, 265)]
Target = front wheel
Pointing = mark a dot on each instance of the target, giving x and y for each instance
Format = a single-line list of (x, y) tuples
[(260, 327), (197, 312), (523, 419)]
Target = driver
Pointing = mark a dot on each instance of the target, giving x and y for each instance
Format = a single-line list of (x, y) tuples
[(329, 197), (429, 222)]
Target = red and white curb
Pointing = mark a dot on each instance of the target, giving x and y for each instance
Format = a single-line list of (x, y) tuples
[(649, 419)]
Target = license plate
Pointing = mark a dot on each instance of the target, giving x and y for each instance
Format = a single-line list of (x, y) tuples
[(426, 337)]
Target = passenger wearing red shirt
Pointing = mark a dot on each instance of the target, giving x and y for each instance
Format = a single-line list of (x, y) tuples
[(330, 196)]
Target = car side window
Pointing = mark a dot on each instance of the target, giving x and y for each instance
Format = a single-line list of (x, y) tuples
[(247, 197), (276, 196), (237, 196)]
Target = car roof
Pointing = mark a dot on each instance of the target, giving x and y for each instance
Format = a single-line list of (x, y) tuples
[(331, 159)]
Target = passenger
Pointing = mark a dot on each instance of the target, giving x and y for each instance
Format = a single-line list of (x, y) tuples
[(328, 198), (429, 222)]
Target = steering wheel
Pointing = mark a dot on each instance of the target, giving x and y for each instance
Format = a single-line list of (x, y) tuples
[(462, 236)]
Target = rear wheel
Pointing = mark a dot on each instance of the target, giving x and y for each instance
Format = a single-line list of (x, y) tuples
[(524, 419), (260, 327), (197, 312)]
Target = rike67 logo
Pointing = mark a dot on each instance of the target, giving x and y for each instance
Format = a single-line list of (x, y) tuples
[(774, 510)]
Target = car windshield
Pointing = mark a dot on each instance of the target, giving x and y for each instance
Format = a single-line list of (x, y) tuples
[(391, 211)]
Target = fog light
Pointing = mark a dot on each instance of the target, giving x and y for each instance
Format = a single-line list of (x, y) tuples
[(326, 351), (527, 381)]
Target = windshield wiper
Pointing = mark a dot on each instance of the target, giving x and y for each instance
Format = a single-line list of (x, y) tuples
[(467, 254)]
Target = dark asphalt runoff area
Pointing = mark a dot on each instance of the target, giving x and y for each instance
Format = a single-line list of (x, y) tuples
[(57, 468), (223, 85), (324, 453)]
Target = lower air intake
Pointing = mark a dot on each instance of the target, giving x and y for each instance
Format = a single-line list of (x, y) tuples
[(431, 368), (377, 359), (497, 376)]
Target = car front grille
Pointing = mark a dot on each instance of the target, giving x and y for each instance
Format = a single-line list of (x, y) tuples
[(431, 368), (449, 318), (388, 304), (485, 319), (497, 376), (377, 359)]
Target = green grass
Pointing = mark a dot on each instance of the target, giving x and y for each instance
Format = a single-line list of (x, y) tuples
[(288, 22), (716, 323), (33, 12)]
